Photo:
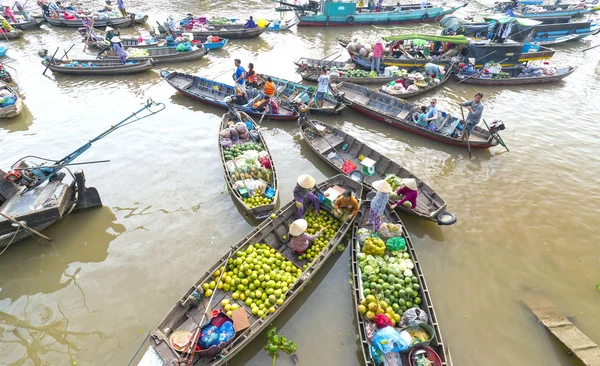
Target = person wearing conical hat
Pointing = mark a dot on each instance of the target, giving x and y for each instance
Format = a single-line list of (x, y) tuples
[(409, 193), (379, 202), (119, 49), (302, 192), (300, 240)]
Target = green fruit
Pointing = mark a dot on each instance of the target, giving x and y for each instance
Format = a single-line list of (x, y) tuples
[(272, 299), (273, 216), (416, 287), (418, 300), (366, 292), (362, 309)]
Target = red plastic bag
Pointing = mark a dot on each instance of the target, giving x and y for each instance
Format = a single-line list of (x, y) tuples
[(348, 167), (382, 321)]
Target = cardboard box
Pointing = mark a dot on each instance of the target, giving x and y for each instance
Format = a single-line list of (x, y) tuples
[(240, 320)]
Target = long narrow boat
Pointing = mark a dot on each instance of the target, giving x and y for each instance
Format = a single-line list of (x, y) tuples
[(164, 55), (389, 90), (13, 34), (98, 67), (229, 31), (314, 63), (214, 93), (34, 24), (261, 210), (121, 22), (514, 79), (398, 113), (15, 109), (313, 75), (295, 92), (335, 147), (188, 311), (365, 327)]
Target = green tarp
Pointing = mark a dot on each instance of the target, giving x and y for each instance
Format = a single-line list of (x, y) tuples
[(428, 37)]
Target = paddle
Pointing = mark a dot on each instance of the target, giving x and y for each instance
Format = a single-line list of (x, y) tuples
[(49, 61), (589, 48), (89, 34), (466, 130)]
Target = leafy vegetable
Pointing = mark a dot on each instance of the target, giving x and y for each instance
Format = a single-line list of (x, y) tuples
[(277, 342)]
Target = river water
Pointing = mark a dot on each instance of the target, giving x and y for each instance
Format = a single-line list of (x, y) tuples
[(527, 217)]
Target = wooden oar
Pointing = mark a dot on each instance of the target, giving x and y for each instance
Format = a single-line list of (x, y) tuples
[(89, 34), (25, 227), (589, 48), (466, 130), (49, 61)]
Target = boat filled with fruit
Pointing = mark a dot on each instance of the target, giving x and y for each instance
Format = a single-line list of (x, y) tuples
[(396, 320), (248, 165), (248, 287)]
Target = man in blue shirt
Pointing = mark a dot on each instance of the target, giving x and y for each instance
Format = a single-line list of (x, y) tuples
[(432, 113), (250, 23), (240, 76)]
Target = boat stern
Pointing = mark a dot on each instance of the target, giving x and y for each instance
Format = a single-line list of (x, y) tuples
[(87, 197)]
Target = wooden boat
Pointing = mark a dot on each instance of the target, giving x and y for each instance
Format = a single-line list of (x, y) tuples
[(314, 63), (437, 344), (214, 93), (33, 194), (164, 55), (104, 67), (13, 34), (98, 42), (282, 25), (299, 93), (121, 22), (33, 24), (313, 75), (389, 91), (343, 147), (214, 45), (11, 110), (188, 311), (5, 76), (229, 31), (514, 79), (42, 206), (344, 13), (399, 113), (259, 212)]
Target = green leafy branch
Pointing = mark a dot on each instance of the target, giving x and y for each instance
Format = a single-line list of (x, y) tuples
[(277, 342)]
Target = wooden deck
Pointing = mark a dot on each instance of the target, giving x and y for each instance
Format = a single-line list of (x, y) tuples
[(578, 343)]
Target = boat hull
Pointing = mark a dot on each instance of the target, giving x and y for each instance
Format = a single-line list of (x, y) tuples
[(99, 23), (429, 15), (34, 24), (516, 80), (165, 55), (116, 68)]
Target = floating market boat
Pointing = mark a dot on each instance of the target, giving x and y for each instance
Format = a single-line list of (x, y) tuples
[(424, 87), (282, 25), (298, 93), (538, 10), (12, 35), (33, 24), (97, 40), (363, 296), (98, 67), (214, 93), (336, 147), (14, 107), (344, 13), (34, 194), (516, 76), (161, 55), (399, 113), (222, 42), (202, 301), (350, 76), (120, 22), (230, 31), (314, 63), (258, 203)]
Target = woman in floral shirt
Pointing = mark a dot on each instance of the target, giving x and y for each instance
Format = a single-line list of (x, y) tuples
[(300, 240)]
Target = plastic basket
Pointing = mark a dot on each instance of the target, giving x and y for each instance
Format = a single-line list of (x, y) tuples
[(431, 356), (428, 328)]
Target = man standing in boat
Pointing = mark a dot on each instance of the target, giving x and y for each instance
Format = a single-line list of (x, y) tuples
[(240, 76), (322, 87), (475, 108)]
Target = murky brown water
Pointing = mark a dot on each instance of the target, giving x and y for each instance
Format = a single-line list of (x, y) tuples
[(527, 218)]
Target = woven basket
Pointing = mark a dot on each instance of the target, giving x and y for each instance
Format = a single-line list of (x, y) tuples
[(431, 356)]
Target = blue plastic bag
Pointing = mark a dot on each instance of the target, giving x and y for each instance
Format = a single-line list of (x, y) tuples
[(249, 125), (321, 198), (388, 340), (210, 337), (226, 332), (270, 192)]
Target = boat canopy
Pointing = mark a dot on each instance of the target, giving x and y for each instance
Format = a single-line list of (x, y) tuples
[(503, 19), (429, 37)]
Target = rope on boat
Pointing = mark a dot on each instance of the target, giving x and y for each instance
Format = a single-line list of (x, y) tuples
[(11, 240)]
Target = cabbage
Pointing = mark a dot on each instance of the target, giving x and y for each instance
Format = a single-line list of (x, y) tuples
[(408, 273), (368, 269), (361, 256), (402, 267), (409, 264)]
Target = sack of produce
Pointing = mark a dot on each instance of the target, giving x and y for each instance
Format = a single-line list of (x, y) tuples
[(373, 74), (363, 233), (241, 127), (225, 133), (394, 182), (374, 246), (180, 48), (369, 48), (389, 340), (363, 52), (388, 230), (395, 244), (413, 316), (225, 142)]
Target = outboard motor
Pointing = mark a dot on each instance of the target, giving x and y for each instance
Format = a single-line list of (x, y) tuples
[(497, 126)]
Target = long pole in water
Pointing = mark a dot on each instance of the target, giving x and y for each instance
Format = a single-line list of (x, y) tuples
[(89, 34), (49, 61), (466, 131), (63, 165)]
